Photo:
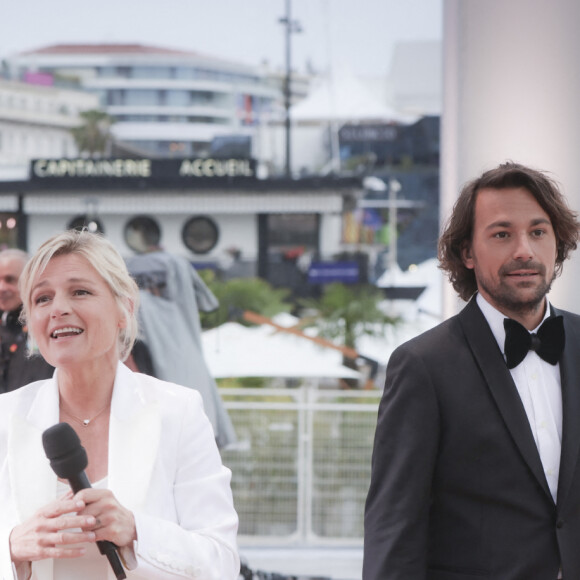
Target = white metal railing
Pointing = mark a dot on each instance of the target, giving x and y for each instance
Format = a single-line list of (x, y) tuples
[(301, 466)]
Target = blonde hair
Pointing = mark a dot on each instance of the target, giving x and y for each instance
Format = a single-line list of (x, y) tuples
[(108, 263)]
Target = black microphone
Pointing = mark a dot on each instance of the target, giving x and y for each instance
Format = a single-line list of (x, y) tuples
[(68, 460)]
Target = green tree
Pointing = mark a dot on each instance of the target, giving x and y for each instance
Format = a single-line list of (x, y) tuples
[(239, 294), (345, 313), (94, 136)]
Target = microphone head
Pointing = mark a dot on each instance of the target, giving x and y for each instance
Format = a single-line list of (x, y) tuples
[(63, 448)]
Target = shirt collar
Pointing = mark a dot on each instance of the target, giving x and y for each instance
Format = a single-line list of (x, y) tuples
[(495, 319)]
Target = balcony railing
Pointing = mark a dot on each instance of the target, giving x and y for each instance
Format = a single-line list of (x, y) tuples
[(301, 466)]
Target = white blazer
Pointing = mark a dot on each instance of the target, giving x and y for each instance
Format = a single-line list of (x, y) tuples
[(164, 466)]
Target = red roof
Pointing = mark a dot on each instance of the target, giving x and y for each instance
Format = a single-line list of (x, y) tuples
[(106, 49)]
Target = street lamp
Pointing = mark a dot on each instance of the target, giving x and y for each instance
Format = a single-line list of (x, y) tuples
[(292, 26)]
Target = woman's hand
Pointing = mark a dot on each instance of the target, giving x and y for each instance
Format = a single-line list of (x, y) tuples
[(113, 522), (44, 536)]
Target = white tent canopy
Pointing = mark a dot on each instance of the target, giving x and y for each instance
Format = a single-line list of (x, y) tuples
[(343, 98), (233, 350)]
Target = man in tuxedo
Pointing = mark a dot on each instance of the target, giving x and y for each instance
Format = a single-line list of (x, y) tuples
[(16, 368), (475, 470)]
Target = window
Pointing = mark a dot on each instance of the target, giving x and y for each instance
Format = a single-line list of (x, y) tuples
[(142, 97), (175, 98), (142, 233), (84, 221), (202, 97), (116, 97), (8, 230), (292, 233), (182, 72), (151, 72), (200, 234), (106, 72)]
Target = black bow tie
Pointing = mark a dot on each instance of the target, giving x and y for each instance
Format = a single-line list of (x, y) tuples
[(548, 342)]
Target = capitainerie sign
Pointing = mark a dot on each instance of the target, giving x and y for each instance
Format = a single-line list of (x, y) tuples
[(207, 168)]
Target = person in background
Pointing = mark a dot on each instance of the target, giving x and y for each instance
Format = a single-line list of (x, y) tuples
[(172, 294), (159, 490), (16, 367), (475, 469)]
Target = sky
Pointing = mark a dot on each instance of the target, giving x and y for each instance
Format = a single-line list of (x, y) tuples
[(357, 34)]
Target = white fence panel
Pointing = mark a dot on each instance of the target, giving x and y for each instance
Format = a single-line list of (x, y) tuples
[(301, 467)]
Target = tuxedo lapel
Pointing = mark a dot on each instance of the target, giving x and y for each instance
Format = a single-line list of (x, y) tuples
[(134, 434), (500, 383), (570, 375)]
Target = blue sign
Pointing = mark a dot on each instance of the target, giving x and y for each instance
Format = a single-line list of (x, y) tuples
[(327, 272)]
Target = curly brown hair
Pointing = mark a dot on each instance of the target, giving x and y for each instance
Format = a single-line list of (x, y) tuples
[(458, 230)]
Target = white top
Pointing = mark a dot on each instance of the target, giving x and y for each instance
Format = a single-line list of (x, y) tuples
[(540, 389), (93, 565), (164, 466)]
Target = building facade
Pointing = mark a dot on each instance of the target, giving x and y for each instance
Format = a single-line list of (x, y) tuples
[(166, 103), (214, 212), (35, 121)]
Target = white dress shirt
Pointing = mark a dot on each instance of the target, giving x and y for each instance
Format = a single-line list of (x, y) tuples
[(540, 389)]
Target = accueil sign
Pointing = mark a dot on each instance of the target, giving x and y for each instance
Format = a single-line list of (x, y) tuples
[(142, 168), (216, 168)]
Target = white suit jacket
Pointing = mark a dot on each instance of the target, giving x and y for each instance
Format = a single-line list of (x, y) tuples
[(164, 466)]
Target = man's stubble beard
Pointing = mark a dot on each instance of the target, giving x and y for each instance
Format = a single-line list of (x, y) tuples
[(509, 299)]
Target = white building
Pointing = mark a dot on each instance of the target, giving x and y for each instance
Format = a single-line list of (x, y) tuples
[(214, 212), (167, 103), (35, 121)]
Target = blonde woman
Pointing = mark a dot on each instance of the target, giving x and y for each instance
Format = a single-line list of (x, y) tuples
[(159, 490)]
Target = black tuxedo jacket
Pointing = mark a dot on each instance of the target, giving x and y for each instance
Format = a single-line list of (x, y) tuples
[(458, 491)]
